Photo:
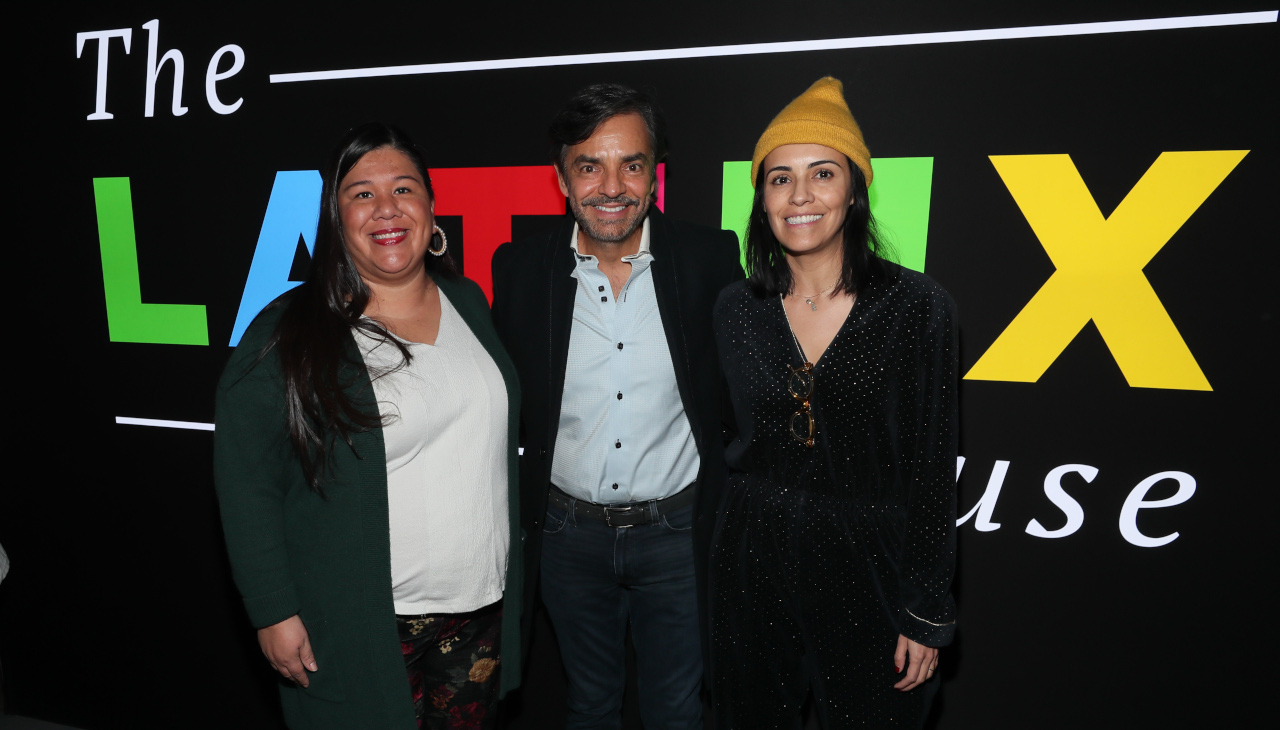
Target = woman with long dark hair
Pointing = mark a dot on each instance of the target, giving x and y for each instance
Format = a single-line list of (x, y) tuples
[(364, 459), (832, 563)]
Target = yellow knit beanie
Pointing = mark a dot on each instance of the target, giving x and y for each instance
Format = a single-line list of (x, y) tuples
[(818, 116)]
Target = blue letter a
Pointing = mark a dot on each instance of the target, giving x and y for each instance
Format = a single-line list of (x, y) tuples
[(294, 208)]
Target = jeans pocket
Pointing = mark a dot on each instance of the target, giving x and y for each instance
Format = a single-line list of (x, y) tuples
[(680, 520), (555, 520)]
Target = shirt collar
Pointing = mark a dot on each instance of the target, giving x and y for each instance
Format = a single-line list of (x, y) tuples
[(637, 256)]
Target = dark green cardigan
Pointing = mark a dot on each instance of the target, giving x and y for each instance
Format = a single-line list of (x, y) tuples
[(328, 559)]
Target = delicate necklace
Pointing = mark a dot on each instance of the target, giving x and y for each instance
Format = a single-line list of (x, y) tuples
[(809, 299), (799, 347)]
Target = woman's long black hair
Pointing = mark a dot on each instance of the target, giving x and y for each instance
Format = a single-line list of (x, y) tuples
[(314, 332), (864, 250)]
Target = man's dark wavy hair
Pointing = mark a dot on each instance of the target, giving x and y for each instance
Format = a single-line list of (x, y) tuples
[(578, 119)]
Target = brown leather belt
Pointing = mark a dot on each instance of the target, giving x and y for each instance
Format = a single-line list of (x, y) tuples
[(627, 514)]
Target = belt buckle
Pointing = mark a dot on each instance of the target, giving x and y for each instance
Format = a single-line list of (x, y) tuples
[(621, 510)]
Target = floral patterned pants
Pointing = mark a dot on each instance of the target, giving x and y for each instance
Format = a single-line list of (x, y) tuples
[(453, 664)]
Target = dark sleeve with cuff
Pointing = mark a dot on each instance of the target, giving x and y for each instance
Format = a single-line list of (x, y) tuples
[(928, 613)]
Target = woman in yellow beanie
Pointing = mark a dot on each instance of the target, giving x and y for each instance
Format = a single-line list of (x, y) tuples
[(832, 565)]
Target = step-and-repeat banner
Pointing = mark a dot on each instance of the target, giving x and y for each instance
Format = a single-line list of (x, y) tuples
[(1094, 183)]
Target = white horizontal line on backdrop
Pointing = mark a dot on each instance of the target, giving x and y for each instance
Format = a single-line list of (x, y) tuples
[(191, 425), (830, 44)]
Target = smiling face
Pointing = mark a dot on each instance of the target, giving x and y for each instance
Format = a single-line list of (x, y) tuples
[(808, 189), (387, 217), (609, 178)]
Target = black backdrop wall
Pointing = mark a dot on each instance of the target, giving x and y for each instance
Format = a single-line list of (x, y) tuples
[(1130, 403)]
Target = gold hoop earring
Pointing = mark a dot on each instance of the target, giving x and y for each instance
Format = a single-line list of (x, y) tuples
[(444, 242)]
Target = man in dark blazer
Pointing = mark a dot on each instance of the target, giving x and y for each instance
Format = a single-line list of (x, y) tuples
[(608, 319)]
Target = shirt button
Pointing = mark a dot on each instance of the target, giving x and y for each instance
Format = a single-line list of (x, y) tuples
[(615, 486), (600, 289), (619, 345), (619, 395), (604, 299), (618, 444)]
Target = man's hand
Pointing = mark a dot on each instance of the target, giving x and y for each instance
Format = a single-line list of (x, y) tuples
[(288, 649)]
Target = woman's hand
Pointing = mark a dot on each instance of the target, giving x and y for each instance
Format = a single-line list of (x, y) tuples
[(288, 649), (919, 660)]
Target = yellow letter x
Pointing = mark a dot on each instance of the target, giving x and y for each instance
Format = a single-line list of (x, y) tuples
[(1099, 267)]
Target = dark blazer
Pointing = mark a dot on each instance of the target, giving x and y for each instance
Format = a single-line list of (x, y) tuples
[(328, 559), (533, 299)]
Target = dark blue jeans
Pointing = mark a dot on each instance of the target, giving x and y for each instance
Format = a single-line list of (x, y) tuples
[(597, 580)]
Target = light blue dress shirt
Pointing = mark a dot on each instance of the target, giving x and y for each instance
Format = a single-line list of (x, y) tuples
[(623, 434)]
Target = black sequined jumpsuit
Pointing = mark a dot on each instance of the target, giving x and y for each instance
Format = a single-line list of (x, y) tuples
[(824, 555)]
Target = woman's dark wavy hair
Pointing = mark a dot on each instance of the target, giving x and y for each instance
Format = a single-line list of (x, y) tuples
[(314, 331), (864, 250)]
